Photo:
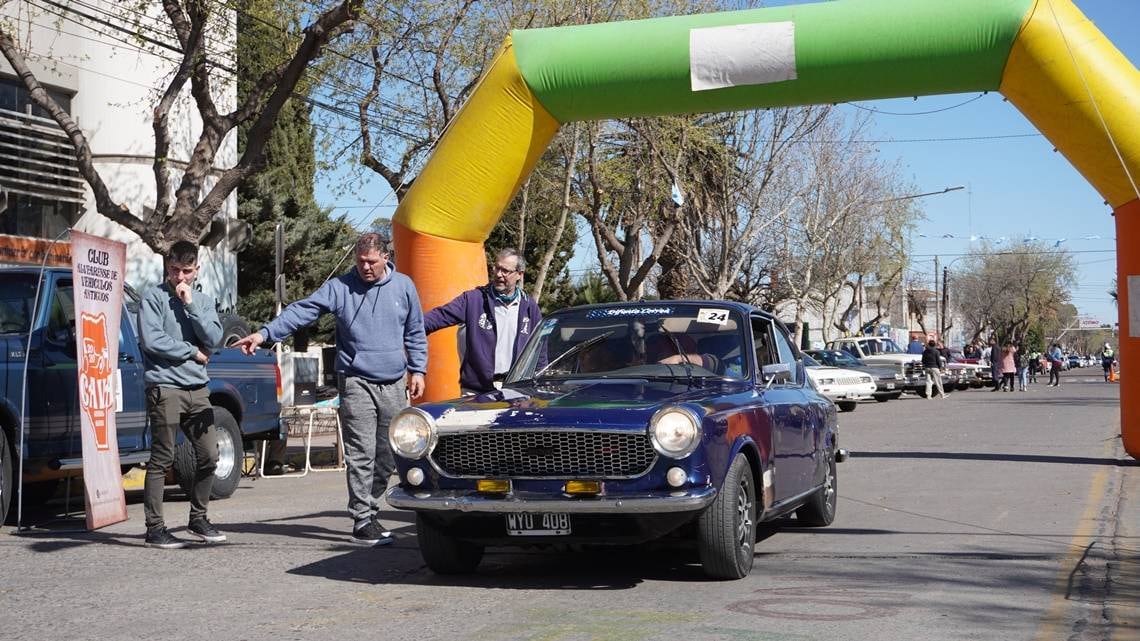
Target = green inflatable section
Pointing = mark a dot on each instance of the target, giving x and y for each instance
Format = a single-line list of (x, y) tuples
[(845, 50)]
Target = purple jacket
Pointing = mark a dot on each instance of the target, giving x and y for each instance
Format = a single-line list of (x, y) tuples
[(473, 308)]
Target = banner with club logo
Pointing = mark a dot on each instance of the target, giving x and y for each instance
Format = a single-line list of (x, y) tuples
[(97, 265)]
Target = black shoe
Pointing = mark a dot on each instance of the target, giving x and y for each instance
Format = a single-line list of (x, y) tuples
[(274, 468), (371, 534), (160, 537), (203, 529)]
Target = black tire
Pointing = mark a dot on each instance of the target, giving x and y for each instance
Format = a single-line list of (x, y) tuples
[(883, 398), (819, 511), (233, 328), (847, 406), (230, 456), (726, 531), (7, 477), (921, 392), (445, 554)]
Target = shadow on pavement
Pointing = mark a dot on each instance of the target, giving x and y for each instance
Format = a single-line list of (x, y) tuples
[(987, 456)]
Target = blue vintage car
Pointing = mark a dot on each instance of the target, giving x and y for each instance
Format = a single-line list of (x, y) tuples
[(620, 424)]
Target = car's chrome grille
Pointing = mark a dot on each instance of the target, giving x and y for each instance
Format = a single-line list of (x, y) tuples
[(539, 454)]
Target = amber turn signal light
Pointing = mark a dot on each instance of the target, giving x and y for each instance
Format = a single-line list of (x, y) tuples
[(583, 487), (493, 486)]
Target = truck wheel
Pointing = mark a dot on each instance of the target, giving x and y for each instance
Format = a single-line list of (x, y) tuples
[(726, 531), (233, 328), (446, 554), (7, 477), (230, 455)]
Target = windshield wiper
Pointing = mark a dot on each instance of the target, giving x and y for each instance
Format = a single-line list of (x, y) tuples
[(574, 350), (684, 356)]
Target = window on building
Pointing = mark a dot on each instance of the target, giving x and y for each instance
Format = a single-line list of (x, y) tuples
[(37, 166)]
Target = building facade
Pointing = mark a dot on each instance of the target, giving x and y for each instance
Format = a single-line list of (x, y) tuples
[(99, 60)]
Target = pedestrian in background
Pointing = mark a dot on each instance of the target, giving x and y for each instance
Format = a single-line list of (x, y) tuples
[(1008, 367), (1034, 364), (178, 330), (915, 346), (993, 355), (932, 367), (1019, 362), (381, 359), (1055, 364), (1107, 358), (497, 318)]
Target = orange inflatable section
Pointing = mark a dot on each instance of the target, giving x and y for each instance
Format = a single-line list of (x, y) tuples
[(441, 269), (1128, 353)]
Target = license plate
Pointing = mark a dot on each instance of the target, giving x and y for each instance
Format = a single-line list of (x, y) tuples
[(543, 524), (890, 385)]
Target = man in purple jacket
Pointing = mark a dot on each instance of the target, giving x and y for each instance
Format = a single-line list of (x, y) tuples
[(498, 319)]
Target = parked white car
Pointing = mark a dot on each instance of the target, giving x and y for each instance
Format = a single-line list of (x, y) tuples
[(843, 386)]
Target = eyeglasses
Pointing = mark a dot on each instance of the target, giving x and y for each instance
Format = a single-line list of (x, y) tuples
[(503, 270)]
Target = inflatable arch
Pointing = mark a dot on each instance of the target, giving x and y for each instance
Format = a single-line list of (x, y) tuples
[(1044, 56)]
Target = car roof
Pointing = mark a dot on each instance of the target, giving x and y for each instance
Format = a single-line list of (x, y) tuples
[(743, 308)]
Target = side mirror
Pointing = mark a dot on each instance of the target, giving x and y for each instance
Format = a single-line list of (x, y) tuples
[(776, 373)]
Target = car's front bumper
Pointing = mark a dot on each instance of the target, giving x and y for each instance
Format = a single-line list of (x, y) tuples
[(686, 500)]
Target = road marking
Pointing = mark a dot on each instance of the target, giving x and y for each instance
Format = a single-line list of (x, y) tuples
[(1053, 623)]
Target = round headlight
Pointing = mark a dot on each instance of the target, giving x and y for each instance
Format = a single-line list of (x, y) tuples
[(675, 432), (412, 433)]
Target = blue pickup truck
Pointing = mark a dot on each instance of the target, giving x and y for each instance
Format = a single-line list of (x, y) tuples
[(243, 390)]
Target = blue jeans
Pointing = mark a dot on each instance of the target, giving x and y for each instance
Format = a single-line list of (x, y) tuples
[(1022, 376)]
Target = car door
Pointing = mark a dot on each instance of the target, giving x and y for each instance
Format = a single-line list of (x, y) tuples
[(785, 401)]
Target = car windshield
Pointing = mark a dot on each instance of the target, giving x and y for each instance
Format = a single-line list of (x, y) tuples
[(837, 358), (650, 341), (888, 346), (17, 293), (811, 362)]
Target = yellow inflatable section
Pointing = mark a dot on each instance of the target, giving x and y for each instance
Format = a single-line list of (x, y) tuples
[(452, 206), (1059, 64)]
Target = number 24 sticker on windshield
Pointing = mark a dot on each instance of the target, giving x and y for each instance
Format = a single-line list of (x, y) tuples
[(718, 316)]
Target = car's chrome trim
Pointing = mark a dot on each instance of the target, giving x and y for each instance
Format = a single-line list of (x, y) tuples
[(468, 501)]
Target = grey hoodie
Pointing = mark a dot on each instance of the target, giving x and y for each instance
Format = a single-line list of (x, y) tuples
[(379, 326), (171, 334)]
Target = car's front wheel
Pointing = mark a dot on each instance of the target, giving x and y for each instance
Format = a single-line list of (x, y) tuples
[(847, 406), (446, 554), (726, 532), (820, 508)]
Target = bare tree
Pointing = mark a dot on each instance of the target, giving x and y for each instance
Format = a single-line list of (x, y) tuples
[(186, 213), (1008, 291)]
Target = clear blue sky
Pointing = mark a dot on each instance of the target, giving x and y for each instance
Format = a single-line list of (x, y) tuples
[(1016, 186)]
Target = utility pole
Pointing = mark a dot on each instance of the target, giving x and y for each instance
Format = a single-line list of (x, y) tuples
[(946, 323), (937, 311)]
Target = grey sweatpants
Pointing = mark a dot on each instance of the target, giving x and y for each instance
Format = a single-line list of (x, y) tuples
[(366, 408)]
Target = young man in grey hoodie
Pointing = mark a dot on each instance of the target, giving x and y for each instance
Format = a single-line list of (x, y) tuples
[(178, 329), (381, 360)]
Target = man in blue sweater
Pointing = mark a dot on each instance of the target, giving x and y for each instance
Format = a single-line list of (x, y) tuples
[(498, 320), (380, 363), (178, 329)]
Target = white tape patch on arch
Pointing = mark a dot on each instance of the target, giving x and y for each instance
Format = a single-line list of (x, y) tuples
[(744, 54)]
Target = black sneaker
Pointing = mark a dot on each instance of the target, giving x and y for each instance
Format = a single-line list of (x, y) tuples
[(203, 529), (160, 537), (372, 535)]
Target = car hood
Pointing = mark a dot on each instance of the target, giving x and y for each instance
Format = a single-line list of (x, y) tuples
[(827, 371), (612, 402)]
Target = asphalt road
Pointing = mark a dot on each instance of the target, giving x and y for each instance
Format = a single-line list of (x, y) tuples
[(982, 516)]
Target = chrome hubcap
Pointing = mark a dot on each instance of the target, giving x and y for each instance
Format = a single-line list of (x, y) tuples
[(744, 516), (226, 455)]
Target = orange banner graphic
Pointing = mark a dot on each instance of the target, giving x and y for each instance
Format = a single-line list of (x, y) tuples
[(97, 265)]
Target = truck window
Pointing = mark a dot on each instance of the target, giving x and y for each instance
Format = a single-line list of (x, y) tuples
[(61, 319), (17, 293)]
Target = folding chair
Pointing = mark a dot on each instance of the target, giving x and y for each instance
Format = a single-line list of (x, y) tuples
[(305, 421)]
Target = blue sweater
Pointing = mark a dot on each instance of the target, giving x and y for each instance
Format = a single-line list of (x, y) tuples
[(379, 326), (170, 335)]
